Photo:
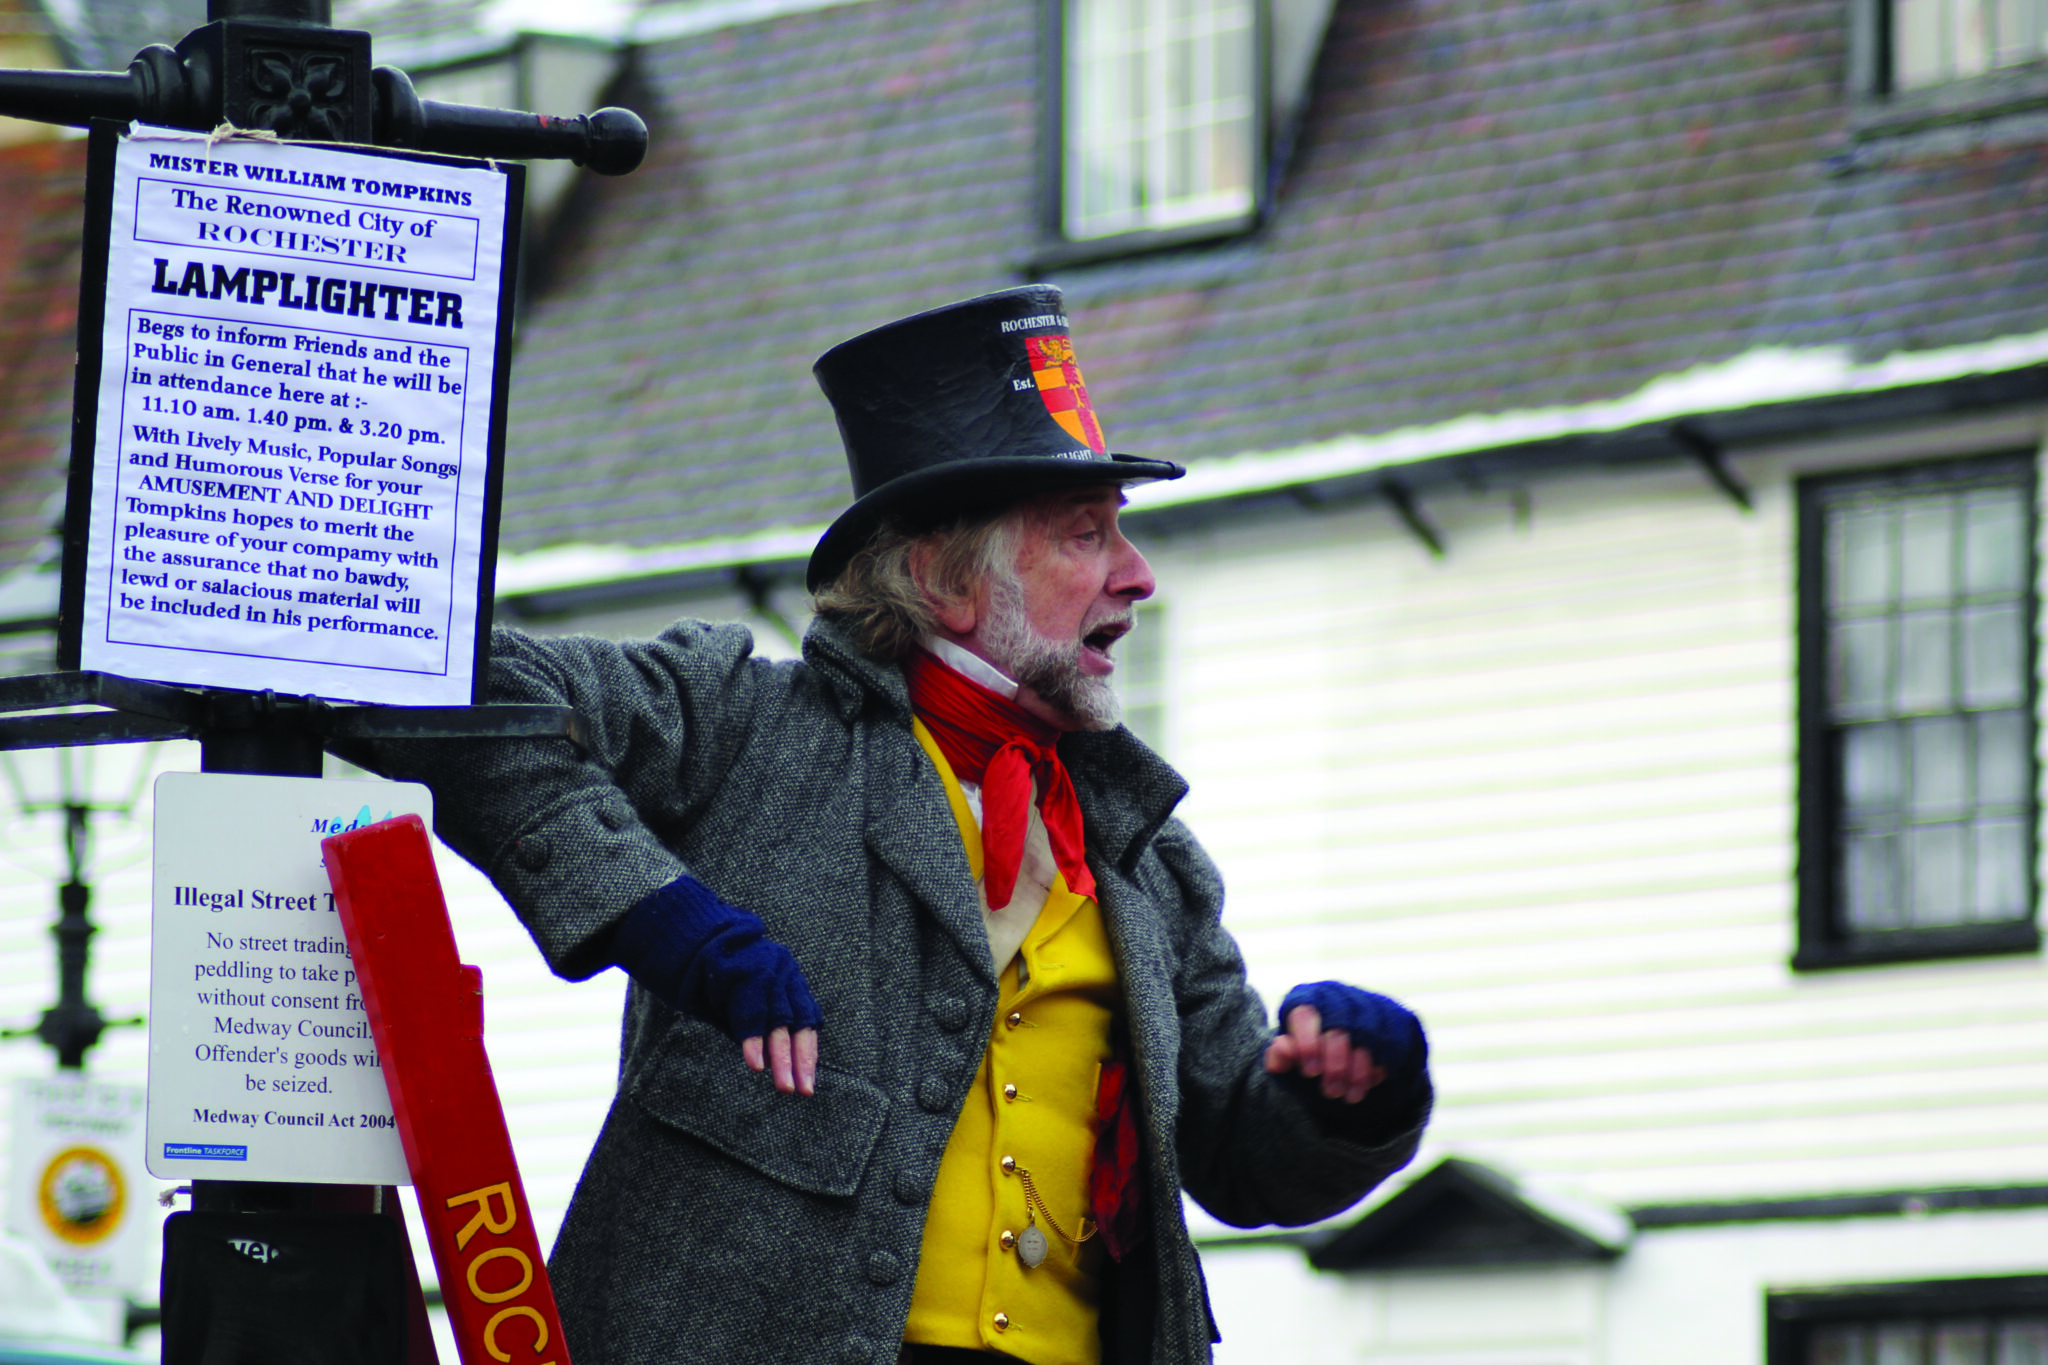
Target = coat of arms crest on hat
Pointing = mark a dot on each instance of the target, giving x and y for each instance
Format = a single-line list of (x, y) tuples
[(1058, 376)]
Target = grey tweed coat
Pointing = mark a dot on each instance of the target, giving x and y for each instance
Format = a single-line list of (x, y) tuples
[(720, 1222)]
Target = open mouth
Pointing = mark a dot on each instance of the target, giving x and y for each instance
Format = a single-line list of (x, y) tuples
[(1100, 640)]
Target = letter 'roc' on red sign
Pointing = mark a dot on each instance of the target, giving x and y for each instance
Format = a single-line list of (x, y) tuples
[(426, 1011)]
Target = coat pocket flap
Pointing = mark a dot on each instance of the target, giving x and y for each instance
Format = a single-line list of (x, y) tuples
[(818, 1143)]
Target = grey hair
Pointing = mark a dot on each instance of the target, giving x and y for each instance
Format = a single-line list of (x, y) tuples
[(879, 598)]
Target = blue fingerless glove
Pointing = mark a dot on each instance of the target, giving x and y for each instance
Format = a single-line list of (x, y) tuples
[(1386, 1028), (714, 961)]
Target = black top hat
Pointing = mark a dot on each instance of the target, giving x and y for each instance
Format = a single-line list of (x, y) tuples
[(959, 410)]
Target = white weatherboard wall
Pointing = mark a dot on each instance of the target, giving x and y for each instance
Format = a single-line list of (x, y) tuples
[(1543, 790)]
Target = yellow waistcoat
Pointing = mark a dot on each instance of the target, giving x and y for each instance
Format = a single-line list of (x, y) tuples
[(1033, 1102)]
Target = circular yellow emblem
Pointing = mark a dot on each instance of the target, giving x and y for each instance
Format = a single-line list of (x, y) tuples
[(82, 1195)]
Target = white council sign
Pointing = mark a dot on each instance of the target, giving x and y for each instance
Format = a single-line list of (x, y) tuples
[(76, 1187), (261, 1063), (294, 418)]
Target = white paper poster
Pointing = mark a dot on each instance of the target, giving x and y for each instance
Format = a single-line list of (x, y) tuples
[(293, 421), (76, 1189), (261, 1062)]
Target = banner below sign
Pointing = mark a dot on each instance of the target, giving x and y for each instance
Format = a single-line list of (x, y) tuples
[(262, 1064), (76, 1186), (290, 403)]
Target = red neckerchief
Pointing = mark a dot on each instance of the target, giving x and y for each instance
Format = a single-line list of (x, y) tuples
[(990, 740)]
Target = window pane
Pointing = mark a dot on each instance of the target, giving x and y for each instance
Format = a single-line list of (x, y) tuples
[(2001, 871), (1862, 569), (1899, 1345), (1871, 883), (1925, 678), (1919, 54), (1861, 667), (2023, 1343), (1969, 43), (1994, 544), (1927, 551), (1940, 764), (1839, 1346), (1871, 780), (1962, 1344), (2002, 758), (1935, 861), (1994, 656)]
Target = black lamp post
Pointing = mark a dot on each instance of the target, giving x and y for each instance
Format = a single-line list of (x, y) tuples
[(72, 1027), (276, 66)]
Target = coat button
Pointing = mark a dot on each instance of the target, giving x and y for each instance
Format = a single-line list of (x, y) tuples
[(934, 1094), (856, 1350), (614, 812), (883, 1268), (909, 1189), (533, 852), (951, 1012), (1002, 1322)]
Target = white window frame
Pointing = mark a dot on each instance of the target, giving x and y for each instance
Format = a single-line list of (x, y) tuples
[(1120, 134)]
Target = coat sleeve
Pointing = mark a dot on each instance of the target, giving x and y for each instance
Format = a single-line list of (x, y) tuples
[(572, 840), (1253, 1149)]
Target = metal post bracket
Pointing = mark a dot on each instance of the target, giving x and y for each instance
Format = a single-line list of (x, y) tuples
[(139, 711)]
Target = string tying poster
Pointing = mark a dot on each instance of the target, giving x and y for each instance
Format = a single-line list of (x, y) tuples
[(295, 411)]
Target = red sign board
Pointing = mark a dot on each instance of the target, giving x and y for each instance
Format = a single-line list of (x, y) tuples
[(426, 1012)]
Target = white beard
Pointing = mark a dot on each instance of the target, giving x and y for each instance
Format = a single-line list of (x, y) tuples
[(1050, 668)]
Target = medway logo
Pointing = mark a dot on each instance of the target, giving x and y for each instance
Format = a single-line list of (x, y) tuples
[(341, 824), (1058, 376)]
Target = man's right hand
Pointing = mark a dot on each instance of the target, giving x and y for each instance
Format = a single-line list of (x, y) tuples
[(715, 961)]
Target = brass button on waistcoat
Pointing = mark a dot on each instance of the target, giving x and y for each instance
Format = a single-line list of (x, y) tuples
[(1008, 1239), (1014, 1019), (1009, 1165), (1010, 1092), (1002, 1321)]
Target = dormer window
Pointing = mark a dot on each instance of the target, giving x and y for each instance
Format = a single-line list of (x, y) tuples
[(1934, 42), (1163, 118), (1162, 124)]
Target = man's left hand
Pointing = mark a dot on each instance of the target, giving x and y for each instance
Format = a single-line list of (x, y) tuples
[(1340, 1049)]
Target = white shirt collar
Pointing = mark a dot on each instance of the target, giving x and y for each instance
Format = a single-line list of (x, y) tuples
[(972, 666)]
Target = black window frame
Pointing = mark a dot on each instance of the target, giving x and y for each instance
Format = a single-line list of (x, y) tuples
[(1823, 941), (1880, 110), (1054, 248), (1791, 1316)]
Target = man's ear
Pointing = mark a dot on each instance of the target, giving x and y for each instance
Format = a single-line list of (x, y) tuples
[(955, 611)]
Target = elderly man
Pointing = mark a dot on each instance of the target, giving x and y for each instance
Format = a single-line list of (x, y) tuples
[(933, 1018)]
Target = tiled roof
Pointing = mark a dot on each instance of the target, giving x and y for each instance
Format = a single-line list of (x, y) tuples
[(103, 35), (42, 186), (1492, 206)]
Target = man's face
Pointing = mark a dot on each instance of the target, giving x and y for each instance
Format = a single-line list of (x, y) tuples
[(1052, 626)]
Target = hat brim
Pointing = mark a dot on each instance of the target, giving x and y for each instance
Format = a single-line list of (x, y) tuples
[(965, 488)]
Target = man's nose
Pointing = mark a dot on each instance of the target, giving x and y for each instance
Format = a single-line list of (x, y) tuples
[(1130, 576)]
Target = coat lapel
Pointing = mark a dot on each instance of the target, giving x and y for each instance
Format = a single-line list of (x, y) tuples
[(912, 831)]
